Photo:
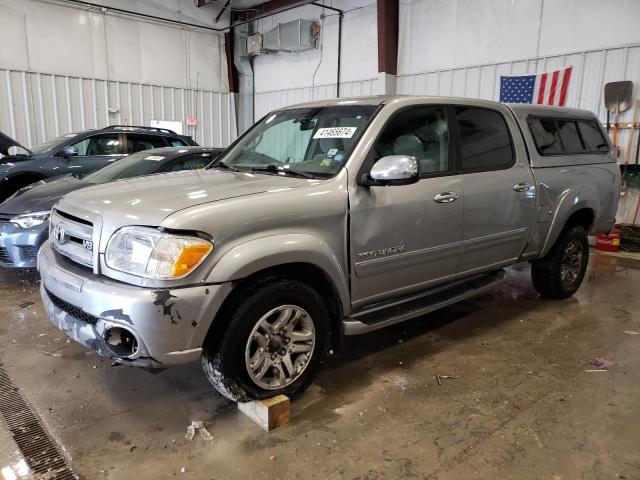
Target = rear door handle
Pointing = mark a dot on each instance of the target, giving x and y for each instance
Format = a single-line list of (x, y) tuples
[(445, 197), (522, 187)]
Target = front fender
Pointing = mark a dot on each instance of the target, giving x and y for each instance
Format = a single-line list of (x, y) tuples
[(569, 202), (276, 250)]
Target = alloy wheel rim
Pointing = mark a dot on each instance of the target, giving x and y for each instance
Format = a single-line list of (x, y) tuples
[(280, 347), (571, 265)]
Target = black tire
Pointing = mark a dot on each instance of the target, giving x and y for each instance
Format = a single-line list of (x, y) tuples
[(223, 359), (547, 273)]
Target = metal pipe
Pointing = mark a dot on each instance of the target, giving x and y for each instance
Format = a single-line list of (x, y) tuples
[(123, 11), (340, 15), (104, 8)]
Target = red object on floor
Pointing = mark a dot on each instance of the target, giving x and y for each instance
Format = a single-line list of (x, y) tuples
[(609, 243)]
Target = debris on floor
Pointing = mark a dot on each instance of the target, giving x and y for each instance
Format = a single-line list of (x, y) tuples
[(198, 426), (402, 383), (51, 354), (439, 378), (601, 363), (25, 304), (631, 332)]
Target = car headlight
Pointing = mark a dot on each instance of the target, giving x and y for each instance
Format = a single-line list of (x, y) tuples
[(150, 253), (28, 220)]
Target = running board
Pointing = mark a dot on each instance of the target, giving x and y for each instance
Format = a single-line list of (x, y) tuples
[(396, 311)]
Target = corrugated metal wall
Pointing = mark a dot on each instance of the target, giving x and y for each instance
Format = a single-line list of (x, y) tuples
[(267, 101), (592, 69), (35, 107)]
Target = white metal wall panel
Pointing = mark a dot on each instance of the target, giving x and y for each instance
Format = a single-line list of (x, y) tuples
[(35, 107), (267, 101), (592, 69)]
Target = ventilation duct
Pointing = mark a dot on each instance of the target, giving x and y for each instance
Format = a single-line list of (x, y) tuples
[(295, 36)]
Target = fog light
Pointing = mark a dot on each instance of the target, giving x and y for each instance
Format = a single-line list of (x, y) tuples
[(121, 342)]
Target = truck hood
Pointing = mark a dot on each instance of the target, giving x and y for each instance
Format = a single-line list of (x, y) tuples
[(7, 142), (150, 199), (40, 196)]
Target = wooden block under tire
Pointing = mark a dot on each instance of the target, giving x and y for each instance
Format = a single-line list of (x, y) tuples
[(269, 413)]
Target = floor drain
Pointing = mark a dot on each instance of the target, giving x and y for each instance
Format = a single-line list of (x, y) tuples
[(39, 451)]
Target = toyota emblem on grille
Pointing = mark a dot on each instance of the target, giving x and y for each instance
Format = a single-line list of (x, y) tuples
[(59, 233)]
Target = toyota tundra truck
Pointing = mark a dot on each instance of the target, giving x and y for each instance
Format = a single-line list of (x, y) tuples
[(326, 219)]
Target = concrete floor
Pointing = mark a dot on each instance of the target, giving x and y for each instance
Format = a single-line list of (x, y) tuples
[(523, 404)]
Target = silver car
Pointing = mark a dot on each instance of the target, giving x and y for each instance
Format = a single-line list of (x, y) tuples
[(326, 219)]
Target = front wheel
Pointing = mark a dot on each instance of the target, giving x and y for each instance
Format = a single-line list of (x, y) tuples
[(560, 273), (272, 345)]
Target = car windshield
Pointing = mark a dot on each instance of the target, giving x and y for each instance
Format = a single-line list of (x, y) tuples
[(309, 142), (49, 144), (141, 163)]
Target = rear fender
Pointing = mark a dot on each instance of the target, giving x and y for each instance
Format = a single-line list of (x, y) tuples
[(569, 202)]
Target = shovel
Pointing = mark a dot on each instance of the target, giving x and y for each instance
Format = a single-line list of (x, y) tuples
[(617, 98)]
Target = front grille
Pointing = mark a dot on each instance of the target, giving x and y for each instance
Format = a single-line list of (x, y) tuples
[(72, 309), (4, 256), (72, 237), (31, 253)]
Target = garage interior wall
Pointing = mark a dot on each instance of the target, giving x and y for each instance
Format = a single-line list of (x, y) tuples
[(65, 68), (460, 48), (287, 78)]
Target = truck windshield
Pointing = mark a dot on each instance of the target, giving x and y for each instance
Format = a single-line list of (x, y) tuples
[(310, 142)]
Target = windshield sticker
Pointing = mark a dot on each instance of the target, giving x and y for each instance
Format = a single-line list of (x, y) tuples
[(155, 158), (335, 132), (326, 162), (332, 153)]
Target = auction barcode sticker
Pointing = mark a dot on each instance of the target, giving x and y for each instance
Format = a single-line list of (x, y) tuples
[(335, 132)]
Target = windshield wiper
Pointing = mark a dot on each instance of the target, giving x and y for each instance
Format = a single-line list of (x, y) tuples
[(220, 164), (286, 170)]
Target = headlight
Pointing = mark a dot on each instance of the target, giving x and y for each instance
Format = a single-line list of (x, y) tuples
[(150, 253), (28, 220)]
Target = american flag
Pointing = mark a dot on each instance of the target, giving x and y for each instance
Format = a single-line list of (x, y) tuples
[(548, 88)]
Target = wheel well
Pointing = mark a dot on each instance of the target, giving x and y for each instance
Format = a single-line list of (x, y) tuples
[(583, 218), (307, 273)]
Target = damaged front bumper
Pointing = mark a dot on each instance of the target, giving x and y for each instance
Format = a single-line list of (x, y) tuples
[(159, 328)]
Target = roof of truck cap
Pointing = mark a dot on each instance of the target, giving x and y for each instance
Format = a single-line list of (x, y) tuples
[(525, 109)]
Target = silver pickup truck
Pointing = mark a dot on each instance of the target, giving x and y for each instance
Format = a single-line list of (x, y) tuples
[(326, 219)]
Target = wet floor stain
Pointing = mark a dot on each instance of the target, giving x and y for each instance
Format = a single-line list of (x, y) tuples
[(489, 388)]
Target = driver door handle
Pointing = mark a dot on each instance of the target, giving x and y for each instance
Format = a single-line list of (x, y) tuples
[(445, 197), (522, 187)]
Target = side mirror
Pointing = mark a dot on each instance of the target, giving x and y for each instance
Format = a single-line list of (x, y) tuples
[(392, 170), (69, 152)]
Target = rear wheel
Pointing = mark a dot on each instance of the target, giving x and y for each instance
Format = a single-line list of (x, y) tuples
[(273, 343), (560, 273)]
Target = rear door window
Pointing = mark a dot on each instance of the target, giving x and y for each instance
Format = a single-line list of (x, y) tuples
[(176, 142), (485, 143), (138, 143)]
